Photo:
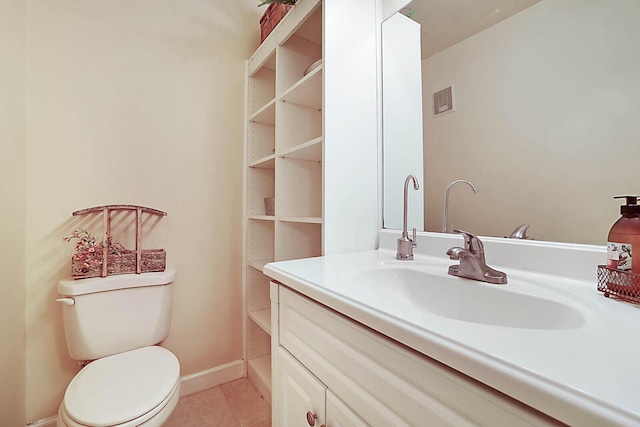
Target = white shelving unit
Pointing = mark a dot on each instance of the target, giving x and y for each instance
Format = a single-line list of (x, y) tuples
[(311, 141), (284, 137)]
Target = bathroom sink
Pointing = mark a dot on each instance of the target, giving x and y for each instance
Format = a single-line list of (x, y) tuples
[(465, 300)]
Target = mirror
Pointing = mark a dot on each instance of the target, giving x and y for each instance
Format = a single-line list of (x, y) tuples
[(544, 122)]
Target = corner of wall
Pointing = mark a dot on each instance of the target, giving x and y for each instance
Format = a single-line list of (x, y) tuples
[(12, 212)]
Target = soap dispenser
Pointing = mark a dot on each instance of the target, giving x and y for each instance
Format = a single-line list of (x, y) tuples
[(624, 238)]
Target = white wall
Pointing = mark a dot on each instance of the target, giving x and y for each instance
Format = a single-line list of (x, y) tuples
[(546, 124), (12, 212), (137, 101)]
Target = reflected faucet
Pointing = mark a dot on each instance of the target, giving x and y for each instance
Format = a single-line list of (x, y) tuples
[(405, 243), (446, 201), (520, 233)]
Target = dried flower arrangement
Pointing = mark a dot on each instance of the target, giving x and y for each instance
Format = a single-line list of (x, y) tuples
[(88, 254)]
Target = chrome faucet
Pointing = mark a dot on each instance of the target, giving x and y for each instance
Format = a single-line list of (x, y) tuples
[(472, 263), (520, 233), (446, 201), (405, 243)]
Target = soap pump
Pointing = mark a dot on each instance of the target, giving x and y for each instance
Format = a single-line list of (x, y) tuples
[(624, 238)]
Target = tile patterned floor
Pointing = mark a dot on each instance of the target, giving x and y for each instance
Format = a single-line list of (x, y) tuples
[(235, 404)]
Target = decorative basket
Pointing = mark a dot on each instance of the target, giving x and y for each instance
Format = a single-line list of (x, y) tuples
[(124, 263), (619, 284), (271, 17), (104, 263)]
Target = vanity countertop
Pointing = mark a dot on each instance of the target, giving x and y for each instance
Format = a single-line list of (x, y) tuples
[(584, 375)]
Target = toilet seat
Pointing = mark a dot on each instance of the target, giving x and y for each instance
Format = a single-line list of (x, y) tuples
[(128, 388)]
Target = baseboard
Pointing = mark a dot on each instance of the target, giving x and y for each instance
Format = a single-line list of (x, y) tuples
[(45, 422), (210, 378), (189, 384)]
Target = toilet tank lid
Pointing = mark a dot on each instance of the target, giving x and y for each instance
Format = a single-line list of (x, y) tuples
[(70, 287)]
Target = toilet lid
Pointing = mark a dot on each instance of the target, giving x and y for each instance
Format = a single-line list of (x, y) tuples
[(122, 387)]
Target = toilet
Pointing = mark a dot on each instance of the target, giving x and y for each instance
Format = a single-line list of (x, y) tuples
[(114, 324)]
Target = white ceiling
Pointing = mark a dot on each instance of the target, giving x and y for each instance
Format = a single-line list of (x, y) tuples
[(447, 22)]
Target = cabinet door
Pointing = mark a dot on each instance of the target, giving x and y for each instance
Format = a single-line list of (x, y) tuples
[(340, 415), (301, 400)]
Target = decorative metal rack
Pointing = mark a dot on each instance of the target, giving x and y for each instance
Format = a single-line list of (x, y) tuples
[(619, 284)]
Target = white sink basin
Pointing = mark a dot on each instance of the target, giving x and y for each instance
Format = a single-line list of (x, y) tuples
[(461, 299)]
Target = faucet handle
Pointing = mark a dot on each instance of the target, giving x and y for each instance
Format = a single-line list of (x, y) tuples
[(520, 233), (406, 245), (472, 243)]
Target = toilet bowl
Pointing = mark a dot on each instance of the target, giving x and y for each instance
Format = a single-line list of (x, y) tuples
[(139, 387)]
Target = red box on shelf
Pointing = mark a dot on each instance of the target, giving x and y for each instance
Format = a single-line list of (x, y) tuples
[(271, 17)]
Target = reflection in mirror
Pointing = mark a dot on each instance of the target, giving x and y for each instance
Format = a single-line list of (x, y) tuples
[(544, 123), (445, 218), (402, 112)]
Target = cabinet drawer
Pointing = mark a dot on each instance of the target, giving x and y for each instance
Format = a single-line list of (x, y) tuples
[(388, 384)]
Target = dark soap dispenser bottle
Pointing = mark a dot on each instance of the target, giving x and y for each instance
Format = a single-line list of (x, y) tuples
[(623, 243)]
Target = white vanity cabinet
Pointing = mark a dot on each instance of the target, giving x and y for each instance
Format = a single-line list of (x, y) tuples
[(305, 400), (304, 129), (339, 414), (350, 375), (300, 393)]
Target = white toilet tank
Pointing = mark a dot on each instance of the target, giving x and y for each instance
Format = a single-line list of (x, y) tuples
[(108, 315)]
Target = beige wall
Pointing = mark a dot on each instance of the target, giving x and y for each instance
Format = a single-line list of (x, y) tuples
[(546, 124), (137, 101), (12, 212)]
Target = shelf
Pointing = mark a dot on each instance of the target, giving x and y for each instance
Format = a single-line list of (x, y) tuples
[(284, 148), (259, 264), (266, 115), (262, 88), (302, 219), (260, 185), (268, 162), (260, 239), (262, 318), (260, 374), (311, 29), (261, 142), (305, 21), (307, 91), (297, 125), (262, 367), (262, 217), (310, 150), (294, 57), (299, 192), (298, 240), (270, 63)]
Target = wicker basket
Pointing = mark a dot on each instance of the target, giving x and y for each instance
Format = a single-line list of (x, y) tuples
[(117, 259), (124, 263), (271, 17)]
